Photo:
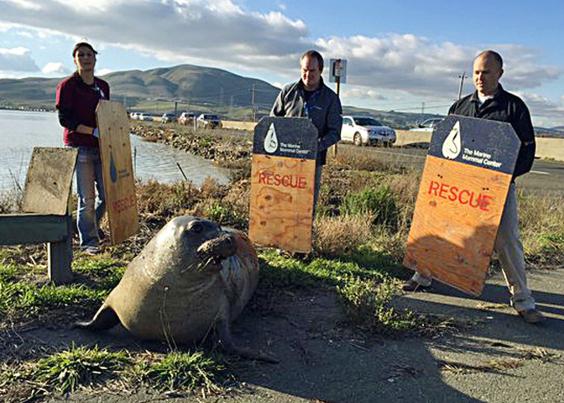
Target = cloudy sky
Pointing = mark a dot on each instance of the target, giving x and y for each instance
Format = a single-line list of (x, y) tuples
[(401, 54)]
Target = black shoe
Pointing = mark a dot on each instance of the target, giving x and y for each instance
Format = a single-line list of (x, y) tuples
[(532, 316), (413, 286)]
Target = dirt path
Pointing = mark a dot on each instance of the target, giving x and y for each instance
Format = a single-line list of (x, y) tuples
[(493, 356)]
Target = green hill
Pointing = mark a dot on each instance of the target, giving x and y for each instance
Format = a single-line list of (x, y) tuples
[(184, 83), (194, 88)]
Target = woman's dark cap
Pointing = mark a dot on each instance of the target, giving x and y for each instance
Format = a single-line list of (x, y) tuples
[(82, 44)]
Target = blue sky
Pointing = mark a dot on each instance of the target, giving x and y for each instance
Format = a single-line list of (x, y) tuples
[(400, 53)]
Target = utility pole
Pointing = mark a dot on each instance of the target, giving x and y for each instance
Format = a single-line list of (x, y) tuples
[(253, 102), (231, 105), (462, 77), (338, 85), (422, 108)]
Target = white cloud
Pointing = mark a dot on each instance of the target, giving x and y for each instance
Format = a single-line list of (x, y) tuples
[(25, 4), (543, 109), (223, 34), (55, 68), (17, 59), (103, 72), (355, 91)]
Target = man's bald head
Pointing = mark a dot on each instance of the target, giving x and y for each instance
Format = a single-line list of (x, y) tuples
[(486, 72), (487, 54)]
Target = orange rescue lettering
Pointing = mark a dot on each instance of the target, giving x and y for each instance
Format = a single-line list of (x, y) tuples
[(123, 204), (460, 195), (272, 179)]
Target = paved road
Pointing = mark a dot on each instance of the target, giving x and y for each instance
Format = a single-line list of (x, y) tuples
[(546, 176)]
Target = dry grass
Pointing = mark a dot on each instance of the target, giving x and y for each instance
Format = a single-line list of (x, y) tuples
[(10, 200), (362, 159), (341, 235), (542, 229)]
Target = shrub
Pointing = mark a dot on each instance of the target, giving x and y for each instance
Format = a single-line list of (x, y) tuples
[(377, 203), (368, 305)]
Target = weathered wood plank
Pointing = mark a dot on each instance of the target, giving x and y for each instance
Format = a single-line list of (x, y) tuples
[(48, 181), (60, 257), (32, 228), (119, 182)]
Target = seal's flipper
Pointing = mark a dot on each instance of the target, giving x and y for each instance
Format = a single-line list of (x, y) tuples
[(104, 319), (226, 342)]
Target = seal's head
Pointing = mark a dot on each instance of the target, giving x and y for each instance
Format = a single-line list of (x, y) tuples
[(191, 244)]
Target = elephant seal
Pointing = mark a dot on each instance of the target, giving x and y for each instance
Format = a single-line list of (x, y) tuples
[(192, 277)]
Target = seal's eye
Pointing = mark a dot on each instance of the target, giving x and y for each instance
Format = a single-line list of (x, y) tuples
[(197, 228)]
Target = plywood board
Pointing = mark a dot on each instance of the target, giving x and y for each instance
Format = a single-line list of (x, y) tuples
[(282, 202), (282, 183), (119, 182), (460, 202), (457, 214), (49, 180)]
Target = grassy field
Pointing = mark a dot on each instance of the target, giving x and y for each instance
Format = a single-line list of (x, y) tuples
[(361, 227)]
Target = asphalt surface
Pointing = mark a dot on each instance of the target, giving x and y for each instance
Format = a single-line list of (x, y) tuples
[(545, 176)]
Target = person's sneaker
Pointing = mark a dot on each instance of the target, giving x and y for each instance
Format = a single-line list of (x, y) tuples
[(413, 286), (532, 316), (90, 250)]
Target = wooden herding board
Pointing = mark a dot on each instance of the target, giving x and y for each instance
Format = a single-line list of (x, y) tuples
[(282, 183), (460, 202), (48, 181), (119, 182)]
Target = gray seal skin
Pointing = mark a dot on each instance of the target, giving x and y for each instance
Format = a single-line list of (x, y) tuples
[(191, 277)]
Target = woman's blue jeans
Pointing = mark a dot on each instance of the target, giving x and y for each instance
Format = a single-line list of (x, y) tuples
[(89, 184)]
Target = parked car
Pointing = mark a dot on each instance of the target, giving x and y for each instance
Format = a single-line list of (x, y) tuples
[(365, 130), (208, 121), (133, 115), (146, 117), (427, 125), (168, 117), (186, 118)]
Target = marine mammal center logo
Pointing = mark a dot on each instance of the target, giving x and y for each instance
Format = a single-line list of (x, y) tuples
[(271, 140), (452, 144)]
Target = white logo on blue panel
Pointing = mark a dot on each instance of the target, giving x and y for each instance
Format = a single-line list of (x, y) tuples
[(271, 140), (452, 144)]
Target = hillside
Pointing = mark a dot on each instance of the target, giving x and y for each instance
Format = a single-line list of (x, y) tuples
[(184, 83)]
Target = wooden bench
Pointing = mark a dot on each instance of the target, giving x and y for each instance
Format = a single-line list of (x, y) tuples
[(46, 215)]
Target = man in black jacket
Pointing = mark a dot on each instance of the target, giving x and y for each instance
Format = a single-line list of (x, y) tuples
[(490, 101)]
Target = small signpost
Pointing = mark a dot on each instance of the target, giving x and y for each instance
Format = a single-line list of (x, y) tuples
[(338, 72), (338, 75), (461, 198), (282, 183), (119, 181)]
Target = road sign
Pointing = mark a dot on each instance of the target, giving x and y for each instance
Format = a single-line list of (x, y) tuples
[(282, 183), (461, 198), (119, 181), (338, 71)]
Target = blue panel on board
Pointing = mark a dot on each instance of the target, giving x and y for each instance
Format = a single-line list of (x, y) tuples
[(479, 142), (286, 137)]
